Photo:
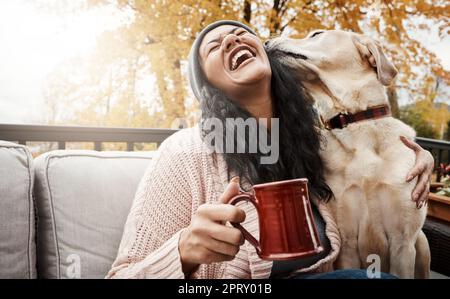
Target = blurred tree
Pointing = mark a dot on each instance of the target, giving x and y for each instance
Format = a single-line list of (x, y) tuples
[(437, 114), (413, 117), (427, 116), (447, 133), (155, 36)]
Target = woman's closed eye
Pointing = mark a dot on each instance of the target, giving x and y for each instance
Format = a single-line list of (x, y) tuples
[(242, 32), (213, 48), (315, 34)]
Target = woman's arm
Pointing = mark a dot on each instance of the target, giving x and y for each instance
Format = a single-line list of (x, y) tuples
[(423, 169)]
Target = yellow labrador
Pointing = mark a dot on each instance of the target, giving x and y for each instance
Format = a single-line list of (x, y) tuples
[(366, 162)]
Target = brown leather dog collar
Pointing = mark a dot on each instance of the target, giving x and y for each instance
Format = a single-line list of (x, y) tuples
[(342, 120)]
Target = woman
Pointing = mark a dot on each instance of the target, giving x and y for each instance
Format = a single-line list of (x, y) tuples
[(177, 224)]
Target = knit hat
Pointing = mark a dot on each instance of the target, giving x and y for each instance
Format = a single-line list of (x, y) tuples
[(195, 73)]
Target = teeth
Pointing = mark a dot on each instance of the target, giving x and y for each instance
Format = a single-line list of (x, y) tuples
[(236, 57)]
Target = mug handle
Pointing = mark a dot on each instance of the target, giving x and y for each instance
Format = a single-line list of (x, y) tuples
[(248, 236)]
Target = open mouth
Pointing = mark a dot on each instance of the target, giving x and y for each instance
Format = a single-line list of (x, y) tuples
[(239, 56)]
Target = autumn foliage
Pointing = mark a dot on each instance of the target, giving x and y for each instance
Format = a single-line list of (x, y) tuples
[(136, 75)]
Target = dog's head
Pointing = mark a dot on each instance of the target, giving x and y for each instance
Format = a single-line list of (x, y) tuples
[(341, 62)]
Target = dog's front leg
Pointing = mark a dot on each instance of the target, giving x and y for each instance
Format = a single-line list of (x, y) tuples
[(402, 257), (403, 223), (348, 257), (423, 257), (348, 220)]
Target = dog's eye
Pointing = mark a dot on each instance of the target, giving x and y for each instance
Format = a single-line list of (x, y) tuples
[(316, 33)]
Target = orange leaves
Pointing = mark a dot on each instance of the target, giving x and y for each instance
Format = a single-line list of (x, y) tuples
[(160, 32)]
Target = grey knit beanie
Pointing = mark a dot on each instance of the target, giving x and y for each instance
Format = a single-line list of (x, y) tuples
[(195, 73)]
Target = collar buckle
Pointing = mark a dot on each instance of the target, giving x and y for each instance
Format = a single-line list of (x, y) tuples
[(343, 120)]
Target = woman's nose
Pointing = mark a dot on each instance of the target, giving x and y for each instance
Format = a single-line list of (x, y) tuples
[(230, 41)]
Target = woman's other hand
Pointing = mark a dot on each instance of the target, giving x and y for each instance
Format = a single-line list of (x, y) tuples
[(207, 239), (423, 169)]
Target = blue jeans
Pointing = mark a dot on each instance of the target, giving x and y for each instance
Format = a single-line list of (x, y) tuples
[(343, 274)]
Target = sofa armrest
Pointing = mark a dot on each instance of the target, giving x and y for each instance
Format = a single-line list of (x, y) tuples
[(17, 212)]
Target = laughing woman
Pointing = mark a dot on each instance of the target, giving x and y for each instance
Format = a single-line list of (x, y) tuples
[(178, 224)]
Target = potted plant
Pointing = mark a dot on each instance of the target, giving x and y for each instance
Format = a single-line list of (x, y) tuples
[(439, 197)]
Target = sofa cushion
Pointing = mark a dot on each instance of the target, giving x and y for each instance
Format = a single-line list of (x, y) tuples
[(83, 199), (17, 217)]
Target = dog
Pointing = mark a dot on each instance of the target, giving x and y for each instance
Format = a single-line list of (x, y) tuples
[(345, 75)]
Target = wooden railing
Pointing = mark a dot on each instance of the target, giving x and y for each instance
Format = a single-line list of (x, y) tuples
[(440, 149), (62, 134)]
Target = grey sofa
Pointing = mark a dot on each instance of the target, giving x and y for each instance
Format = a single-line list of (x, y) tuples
[(62, 214)]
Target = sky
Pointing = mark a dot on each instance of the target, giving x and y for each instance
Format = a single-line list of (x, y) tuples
[(33, 42)]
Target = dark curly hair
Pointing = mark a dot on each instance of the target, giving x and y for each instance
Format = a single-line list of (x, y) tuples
[(299, 136)]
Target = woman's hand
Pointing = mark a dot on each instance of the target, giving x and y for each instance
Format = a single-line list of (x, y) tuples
[(422, 169), (207, 239)]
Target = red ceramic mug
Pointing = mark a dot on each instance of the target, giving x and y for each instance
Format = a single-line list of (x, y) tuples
[(286, 224)]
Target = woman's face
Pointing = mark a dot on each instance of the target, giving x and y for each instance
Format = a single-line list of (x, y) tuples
[(232, 59)]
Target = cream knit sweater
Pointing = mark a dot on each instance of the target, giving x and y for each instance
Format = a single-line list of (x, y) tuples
[(182, 176)]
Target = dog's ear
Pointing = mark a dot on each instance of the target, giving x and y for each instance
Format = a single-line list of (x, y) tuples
[(372, 50)]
